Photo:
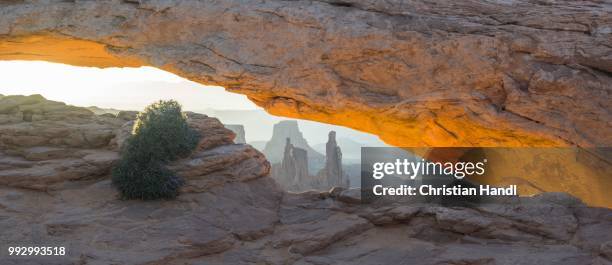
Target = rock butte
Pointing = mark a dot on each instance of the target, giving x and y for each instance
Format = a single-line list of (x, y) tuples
[(417, 73)]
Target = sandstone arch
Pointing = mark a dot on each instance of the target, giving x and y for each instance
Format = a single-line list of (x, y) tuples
[(419, 73)]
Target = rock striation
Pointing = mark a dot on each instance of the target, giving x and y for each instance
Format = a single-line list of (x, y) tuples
[(45, 143), (230, 212), (417, 73), (243, 222)]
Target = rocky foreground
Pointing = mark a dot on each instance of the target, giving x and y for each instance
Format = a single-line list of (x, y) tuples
[(55, 191)]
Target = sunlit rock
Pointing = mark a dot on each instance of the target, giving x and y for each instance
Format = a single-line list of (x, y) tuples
[(450, 73)]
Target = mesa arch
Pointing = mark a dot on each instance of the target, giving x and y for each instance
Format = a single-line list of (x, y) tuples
[(418, 73)]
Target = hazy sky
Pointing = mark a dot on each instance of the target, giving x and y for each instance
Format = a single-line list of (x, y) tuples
[(134, 88), (120, 88)]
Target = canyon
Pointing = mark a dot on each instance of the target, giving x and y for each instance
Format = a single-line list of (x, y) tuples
[(55, 190)]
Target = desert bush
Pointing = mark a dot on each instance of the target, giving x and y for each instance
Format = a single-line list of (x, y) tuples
[(145, 181), (161, 134)]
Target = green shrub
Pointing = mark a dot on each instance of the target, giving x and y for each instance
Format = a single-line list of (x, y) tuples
[(145, 181), (160, 135)]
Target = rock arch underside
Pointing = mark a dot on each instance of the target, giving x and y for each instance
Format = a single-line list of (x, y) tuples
[(416, 73)]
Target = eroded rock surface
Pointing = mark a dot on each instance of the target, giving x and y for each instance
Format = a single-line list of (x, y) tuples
[(416, 73), (253, 222), (230, 212), (45, 143)]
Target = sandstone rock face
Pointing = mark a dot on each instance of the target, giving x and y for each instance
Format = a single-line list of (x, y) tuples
[(238, 129), (30, 121), (229, 212), (246, 222), (44, 144), (417, 73)]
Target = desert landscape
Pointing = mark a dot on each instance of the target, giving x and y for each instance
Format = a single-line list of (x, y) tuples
[(55, 188), (414, 73)]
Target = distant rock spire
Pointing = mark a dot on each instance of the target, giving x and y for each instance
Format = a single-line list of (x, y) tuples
[(334, 177), (292, 173)]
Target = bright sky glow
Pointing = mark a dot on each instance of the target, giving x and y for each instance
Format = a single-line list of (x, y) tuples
[(120, 88), (135, 88)]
